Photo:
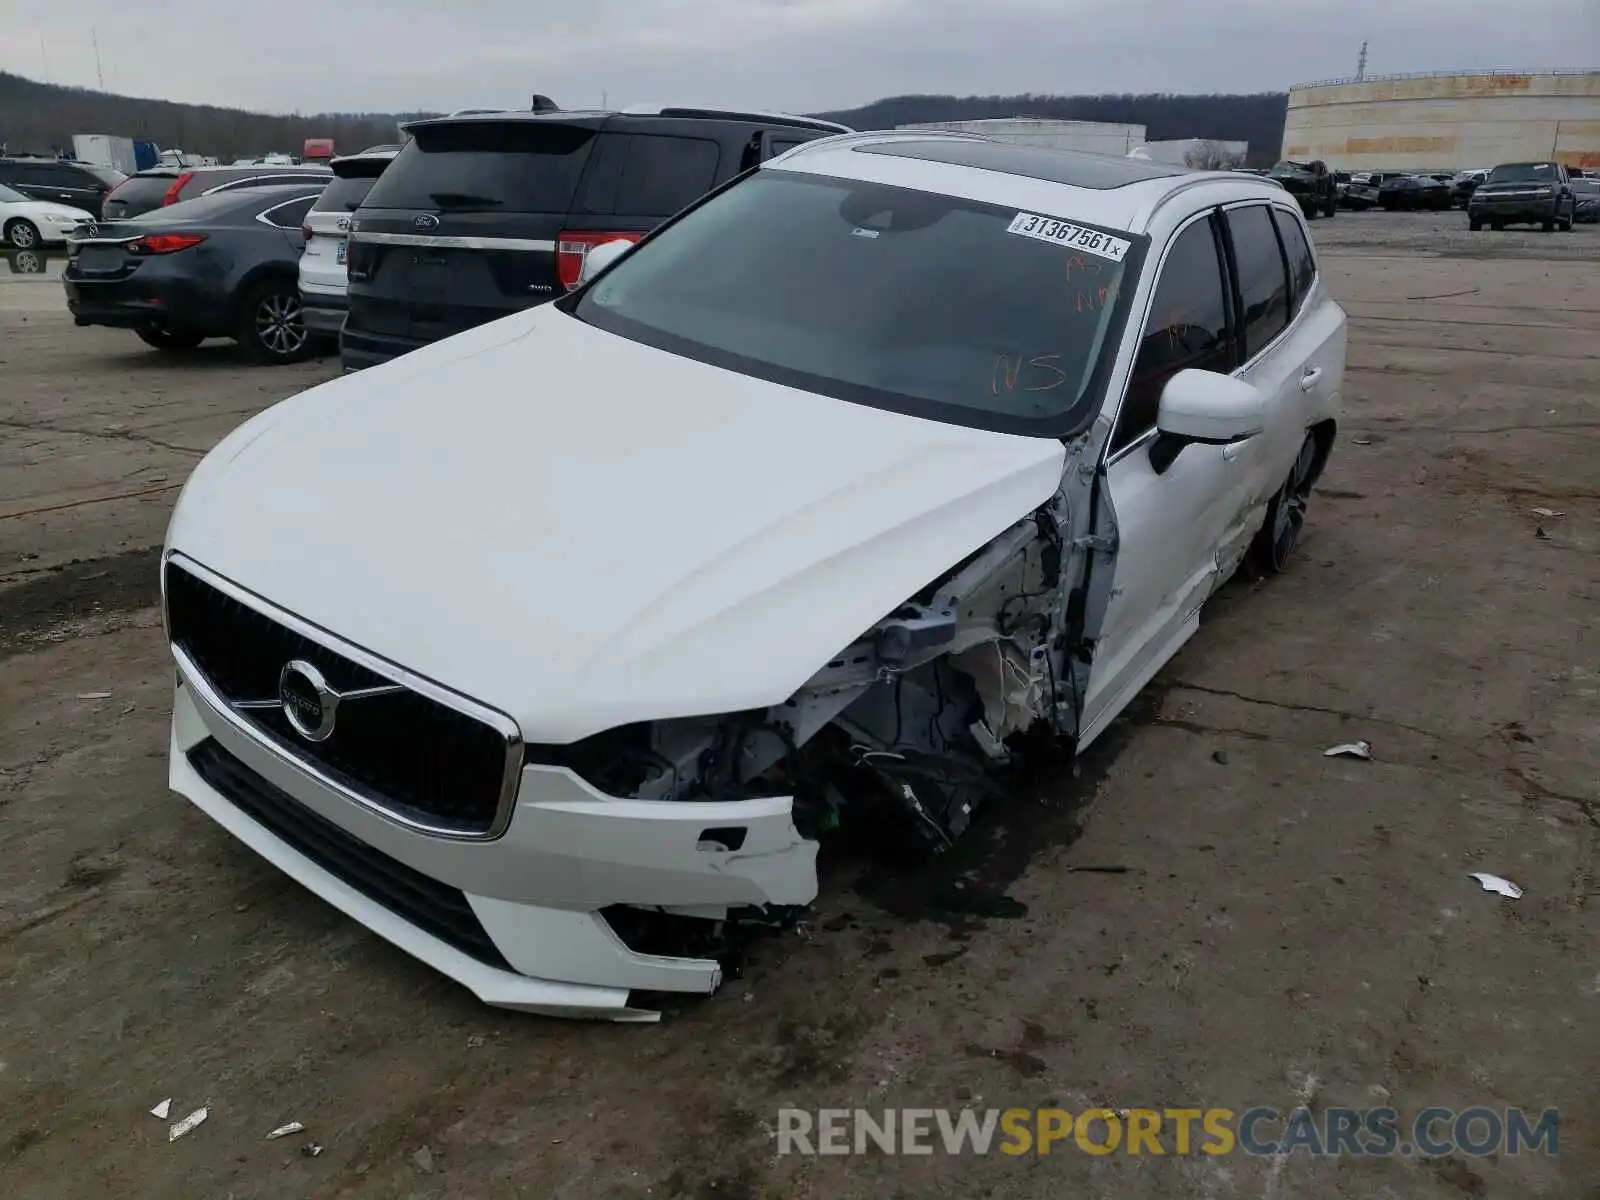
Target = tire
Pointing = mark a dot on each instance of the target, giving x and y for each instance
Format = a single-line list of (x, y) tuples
[(271, 328), (26, 262), (1548, 225), (1572, 219), (1497, 226), (1331, 208), (1275, 542), (22, 235), (1474, 224), (164, 339)]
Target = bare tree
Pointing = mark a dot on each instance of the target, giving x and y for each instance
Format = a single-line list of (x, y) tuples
[(1209, 155)]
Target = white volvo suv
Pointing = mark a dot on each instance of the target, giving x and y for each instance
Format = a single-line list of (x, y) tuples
[(549, 652)]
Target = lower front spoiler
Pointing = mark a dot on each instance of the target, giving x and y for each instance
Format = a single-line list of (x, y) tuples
[(573, 941), (1514, 214)]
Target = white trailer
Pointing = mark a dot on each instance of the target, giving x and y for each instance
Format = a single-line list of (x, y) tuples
[(105, 150), (1099, 137)]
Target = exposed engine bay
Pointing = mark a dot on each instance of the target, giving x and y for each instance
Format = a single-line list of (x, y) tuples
[(910, 728)]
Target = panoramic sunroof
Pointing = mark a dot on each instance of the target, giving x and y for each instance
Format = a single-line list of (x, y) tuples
[(1033, 162)]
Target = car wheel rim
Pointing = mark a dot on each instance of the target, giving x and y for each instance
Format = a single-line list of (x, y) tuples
[(22, 237), (279, 324), (1289, 513), (29, 264)]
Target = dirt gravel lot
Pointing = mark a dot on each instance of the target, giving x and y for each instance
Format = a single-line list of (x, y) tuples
[(1212, 914)]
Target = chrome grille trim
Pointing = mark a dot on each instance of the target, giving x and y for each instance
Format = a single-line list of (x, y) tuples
[(496, 720)]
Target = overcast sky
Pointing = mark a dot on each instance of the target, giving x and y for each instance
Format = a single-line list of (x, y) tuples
[(798, 55)]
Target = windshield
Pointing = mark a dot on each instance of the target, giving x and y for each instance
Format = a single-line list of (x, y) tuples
[(1290, 168), (9, 196), (884, 296), (106, 175), (1523, 173)]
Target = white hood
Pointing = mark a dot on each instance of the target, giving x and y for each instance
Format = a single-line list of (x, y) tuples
[(47, 208), (584, 532)]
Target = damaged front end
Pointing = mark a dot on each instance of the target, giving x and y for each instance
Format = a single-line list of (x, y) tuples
[(900, 738)]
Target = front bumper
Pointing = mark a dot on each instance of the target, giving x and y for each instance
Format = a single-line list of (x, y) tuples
[(54, 235), (1518, 211), (538, 941)]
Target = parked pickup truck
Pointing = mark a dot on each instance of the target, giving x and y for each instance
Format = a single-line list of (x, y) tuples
[(1311, 183), (1526, 193)]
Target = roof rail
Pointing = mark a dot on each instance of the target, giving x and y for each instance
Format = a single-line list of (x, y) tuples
[(734, 114), (871, 136)]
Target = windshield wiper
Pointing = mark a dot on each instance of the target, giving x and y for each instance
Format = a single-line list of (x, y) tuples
[(463, 200)]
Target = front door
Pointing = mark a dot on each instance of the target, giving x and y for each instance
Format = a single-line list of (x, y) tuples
[(1170, 521)]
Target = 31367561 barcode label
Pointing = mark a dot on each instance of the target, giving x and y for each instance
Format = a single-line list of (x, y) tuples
[(1064, 233)]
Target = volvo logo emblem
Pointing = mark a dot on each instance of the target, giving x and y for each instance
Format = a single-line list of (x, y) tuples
[(309, 704), (425, 221)]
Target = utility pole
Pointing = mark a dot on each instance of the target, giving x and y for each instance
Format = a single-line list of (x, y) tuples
[(1361, 63), (98, 70), (44, 59)]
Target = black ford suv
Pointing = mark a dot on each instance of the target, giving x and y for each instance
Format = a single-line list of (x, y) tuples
[(483, 215)]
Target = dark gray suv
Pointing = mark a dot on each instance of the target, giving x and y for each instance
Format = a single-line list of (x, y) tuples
[(486, 214), (1526, 193), (161, 186), (80, 184)]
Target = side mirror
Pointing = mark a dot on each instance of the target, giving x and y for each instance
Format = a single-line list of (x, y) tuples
[(600, 257), (1204, 408)]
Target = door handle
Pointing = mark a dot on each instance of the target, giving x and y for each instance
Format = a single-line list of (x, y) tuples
[(1309, 379)]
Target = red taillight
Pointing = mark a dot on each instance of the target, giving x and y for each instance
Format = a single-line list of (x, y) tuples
[(305, 232), (164, 243), (572, 247), (177, 186)]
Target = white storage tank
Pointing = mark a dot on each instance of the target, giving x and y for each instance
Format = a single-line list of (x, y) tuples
[(1099, 137), (1446, 121)]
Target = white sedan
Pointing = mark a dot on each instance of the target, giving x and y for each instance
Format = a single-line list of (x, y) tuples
[(552, 651), (26, 223)]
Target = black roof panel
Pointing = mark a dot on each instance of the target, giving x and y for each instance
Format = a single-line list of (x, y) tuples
[(1070, 167)]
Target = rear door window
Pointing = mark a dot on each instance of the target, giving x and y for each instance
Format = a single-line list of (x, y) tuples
[(486, 166), (32, 174), (63, 176), (1302, 266), (290, 215), (1263, 279), (662, 174), (1188, 327)]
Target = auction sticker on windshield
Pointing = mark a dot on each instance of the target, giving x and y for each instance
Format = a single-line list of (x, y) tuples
[(1061, 233)]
